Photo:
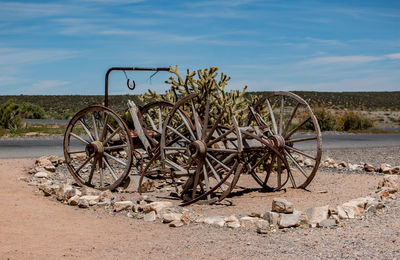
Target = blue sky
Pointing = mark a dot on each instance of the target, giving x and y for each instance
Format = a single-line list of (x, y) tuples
[(65, 47)]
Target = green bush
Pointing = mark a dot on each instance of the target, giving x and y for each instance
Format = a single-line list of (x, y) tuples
[(31, 111), (326, 120), (354, 121), (9, 115)]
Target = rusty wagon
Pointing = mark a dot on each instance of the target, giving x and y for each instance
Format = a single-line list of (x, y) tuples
[(279, 144)]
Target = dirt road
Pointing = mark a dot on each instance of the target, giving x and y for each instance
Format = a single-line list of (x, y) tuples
[(35, 227)]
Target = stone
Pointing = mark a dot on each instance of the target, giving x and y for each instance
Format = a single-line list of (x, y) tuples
[(83, 203), (345, 213), (66, 191), (92, 200), (233, 224), (73, 201), (49, 189), (231, 218), (189, 216), (43, 161), (262, 226), (357, 205), (344, 164), (289, 220), (390, 181), (327, 223), (150, 216), (176, 223), (368, 167), (122, 205), (329, 161), (89, 191), (248, 222), (41, 175), (308, 163), (255, 215), (317, 214), (170, 217), (215, 221), (271, 217), (282, 206), (50, 168), (107, 194), (353, 167), (157, 206)]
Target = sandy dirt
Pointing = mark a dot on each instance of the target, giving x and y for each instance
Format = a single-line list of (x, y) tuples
[(36, 227)]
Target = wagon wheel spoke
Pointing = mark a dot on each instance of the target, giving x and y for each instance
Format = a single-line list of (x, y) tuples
[(296, 140), (297, 128), (96, 132), (187, 124), (115, 159), (79, 138), (271, 112), (197, 122), (206, 181), (213, 170), (269, 170), (105, 125), (281, 115), (206, 118), (178, 133), (112, 135), (296, 163), (219, 162), (89, 181), (153, 125), (196, 179), (110, 169), (300, 152), (290, 119), (86, 128), (216, 123)]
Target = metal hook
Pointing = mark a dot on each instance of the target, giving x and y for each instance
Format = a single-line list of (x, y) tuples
[(152, 76), (133, 84)]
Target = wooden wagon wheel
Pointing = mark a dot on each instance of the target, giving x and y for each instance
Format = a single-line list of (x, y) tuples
[(209, 162), (289, 122), (98, 148)]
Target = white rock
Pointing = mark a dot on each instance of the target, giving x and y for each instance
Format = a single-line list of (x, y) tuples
[(157, 206), (169, 217), (83, 203), (317, 214), (234, 224), (231, 218), (344, 164), (282, 206), (289, 220), (271, 217), (122, 205), (43, 161), (50, 168), (248, 221), (262, 226), (390, 181), (345, 213), (150, 216), (215, 221), (41, 175), (308, 163), (92, 200), (73, 201)]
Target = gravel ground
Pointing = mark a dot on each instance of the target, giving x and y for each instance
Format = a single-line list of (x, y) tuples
[(80, 233)]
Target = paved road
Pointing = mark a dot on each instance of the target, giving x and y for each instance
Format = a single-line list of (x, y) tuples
[(35, 147)]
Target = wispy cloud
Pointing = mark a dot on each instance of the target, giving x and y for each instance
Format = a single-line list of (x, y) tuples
[(341, 59), (393, 56), (325, 41), (46, 86), (16, 56)]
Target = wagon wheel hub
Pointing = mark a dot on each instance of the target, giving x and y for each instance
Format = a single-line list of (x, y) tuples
[(94, 148), (197, 149), (278, 141)]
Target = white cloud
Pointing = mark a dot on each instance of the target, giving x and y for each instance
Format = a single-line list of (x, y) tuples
[(341, 59), (17, 57), (393, 56), (45, 87)]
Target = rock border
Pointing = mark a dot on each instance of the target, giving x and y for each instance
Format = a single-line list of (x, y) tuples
[(282, 215)]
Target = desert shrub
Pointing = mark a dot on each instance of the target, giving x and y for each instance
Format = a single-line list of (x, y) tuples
[(31, 111), (350, 120), (326, 120), (9, 115)]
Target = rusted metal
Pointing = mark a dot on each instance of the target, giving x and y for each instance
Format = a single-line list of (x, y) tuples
[(172, 140)]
